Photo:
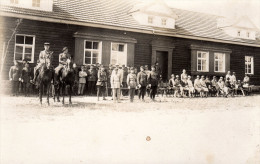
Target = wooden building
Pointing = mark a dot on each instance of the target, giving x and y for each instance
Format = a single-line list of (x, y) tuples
[(131, 33)]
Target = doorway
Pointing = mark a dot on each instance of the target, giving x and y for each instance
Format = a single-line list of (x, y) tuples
[(162, 59)]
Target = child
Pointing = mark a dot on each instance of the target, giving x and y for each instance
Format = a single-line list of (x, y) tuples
[(131, 82)]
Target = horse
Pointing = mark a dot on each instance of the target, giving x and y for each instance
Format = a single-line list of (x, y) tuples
[(64, 79), (44, 80)]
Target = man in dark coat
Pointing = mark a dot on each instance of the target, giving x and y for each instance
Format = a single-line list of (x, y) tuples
[(92, 79), (141, 82), (25, 78), (101, 82), (153, 82)]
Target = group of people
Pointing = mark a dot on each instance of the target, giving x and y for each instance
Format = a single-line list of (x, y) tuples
[(121, 80)]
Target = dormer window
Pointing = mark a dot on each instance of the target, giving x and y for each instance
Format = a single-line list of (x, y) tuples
[(14, 1), (150, 20), (36, 3), (248, 34), (164, 21), (238, 33)]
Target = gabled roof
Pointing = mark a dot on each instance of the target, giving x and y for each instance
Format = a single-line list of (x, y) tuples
[(114, 14), (245, 22)]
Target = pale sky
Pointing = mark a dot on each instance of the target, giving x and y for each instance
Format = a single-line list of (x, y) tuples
[(228, 8)]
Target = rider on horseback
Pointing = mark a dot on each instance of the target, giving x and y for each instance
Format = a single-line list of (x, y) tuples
[(63, 57), (45, 57)]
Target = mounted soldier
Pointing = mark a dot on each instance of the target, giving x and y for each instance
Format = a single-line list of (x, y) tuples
[(63, 57), (45, 57)]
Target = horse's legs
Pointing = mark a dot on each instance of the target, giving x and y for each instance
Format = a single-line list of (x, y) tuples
[(48, 93), (40, 93), (70, 92), (63, 92)]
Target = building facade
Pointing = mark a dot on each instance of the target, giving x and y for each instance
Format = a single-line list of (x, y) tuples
[(134, 34)]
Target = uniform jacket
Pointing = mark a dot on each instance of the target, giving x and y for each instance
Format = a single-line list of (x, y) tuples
[(26, 75), (14, 73), (153, 78), (63, 58), (102, 78), (48, 55), (131, 80), (92, 75), (116, 80), (124, 72), (142, 78)]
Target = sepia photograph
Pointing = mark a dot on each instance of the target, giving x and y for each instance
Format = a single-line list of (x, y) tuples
[(130, 81)]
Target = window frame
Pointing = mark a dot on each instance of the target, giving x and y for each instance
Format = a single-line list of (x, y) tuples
[(163, 21), (99, 52), (24, 46), (125, 52), (36, 3), (247, 64), (207, 61), (14, 2), (150, 18), (224, 61)]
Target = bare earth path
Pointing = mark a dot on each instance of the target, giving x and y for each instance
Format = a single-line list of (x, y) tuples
[(181, 131)]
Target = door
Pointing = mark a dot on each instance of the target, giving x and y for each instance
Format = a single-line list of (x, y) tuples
[(162, 59)]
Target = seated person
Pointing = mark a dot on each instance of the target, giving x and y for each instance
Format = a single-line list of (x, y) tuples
[(238, 86), (204, 87), (170, 83), (184, 86), (197, 85), (177, 86), (246, 81), (221, 85), (214, 86), (227, 87), (190, 86)]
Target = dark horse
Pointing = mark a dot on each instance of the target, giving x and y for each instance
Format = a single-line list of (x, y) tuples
[(64, 79), (44, 80)]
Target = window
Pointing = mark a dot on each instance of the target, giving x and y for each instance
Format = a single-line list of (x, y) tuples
[(238, 33), (14, 1), (36, 3), (219, 62), (118, 53), (249, 64), (164, 21), (248, 34), (92, 53), (150, 20), (202, 61), (24, 47)]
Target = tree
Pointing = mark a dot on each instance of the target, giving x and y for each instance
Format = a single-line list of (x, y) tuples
[(6, 46)]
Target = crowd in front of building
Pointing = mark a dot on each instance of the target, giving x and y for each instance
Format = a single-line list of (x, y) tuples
[(119, 80)]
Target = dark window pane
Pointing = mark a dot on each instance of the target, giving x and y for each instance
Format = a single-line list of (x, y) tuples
[(28, 50), (28, 40), (94, 60), (95, 54), (27, 57), (18, 56), (87, 61), (19, 49), (121, 48), (87, 54), (88, 45), (95, 45), (19, 39)]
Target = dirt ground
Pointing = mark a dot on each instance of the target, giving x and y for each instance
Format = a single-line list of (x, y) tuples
[(170, 130)]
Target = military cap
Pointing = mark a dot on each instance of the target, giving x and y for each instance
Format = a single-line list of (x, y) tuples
[(132, 68), (142, 67), (64, 48), (177, 75), (46, 43)]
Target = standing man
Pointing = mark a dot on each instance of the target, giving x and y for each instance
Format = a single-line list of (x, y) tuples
[(25, 79), (142, 82), (101, 82), (147, 71), (131, 82), (116, 82), (153, 82), (14, 75), (109, 73), (45, 57), (158, 69), (63, 57), (124, 73), (92, 78)]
